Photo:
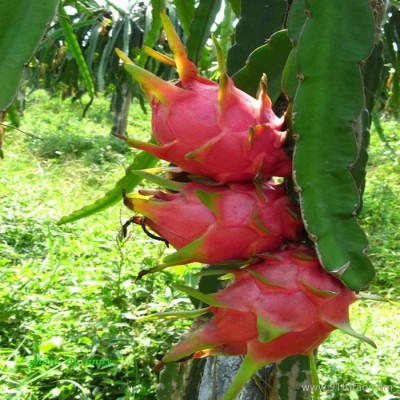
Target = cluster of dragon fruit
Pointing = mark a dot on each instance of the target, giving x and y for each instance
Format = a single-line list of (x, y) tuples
[(230, 211)]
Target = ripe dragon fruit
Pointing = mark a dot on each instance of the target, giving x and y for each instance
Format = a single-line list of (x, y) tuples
[(211, 130), (218, 224), (285, 305)]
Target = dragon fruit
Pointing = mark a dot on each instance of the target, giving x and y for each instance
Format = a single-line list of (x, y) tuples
[(211, 130), (218, 224), (282, 306)]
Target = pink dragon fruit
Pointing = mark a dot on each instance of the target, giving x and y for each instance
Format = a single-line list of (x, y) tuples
[(211, 130), (218, 224), (285, 305)]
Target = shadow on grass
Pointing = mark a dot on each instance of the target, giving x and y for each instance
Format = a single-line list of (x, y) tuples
[(94, 150)]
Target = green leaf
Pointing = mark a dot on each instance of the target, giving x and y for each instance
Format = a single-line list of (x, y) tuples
[(372, 75), (203, 297), (227, 29), (115, 7), (142, 161), (50, 344), (158, 180), (185, 10), (107, 53), (268, 59), (200, 27), (54, 35), (22, 26), (155, 28), (73, 46), (92, 45), (209, 284), (259, 19), (235, 4), (391, 31), (328, 101), (174, 314), (13, 114), (372, 72)]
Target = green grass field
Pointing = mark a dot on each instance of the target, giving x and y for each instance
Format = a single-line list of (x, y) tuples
[(68, 298)]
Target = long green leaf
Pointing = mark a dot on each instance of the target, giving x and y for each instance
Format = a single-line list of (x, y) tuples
[(185, 10), (259, 19), (328, 101), (92, 45), (22, 26), (391, 31), (108, 52), (55, 34), (235, 4), (143, 160), (204, 17), (73, 46), (115, 7), (227, 29), (269, 59), (371, 71), (154, 31)]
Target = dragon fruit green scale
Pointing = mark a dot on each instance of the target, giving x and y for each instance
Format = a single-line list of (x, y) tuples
[(282, 306), (211, 130), (218, 224)]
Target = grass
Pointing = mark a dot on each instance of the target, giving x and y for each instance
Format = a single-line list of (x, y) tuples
[(68, 297)]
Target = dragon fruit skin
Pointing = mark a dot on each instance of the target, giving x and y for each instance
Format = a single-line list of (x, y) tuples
[(282, 306), (211, 130), (218, 224)]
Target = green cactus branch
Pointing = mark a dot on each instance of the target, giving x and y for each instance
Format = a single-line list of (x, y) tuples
[(328, 101), (75, 49), (22, 26)]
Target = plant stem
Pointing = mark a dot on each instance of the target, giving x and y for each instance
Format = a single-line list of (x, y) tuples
[(314, 378)]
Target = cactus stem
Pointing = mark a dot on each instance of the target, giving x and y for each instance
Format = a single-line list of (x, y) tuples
[(314, 377)]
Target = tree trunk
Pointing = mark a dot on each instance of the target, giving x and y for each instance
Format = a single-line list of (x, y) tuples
[(121, 103), (219, 373)]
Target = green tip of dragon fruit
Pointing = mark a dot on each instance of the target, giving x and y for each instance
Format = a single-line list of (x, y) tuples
[(270, 322), (159, 56), (186, 69), (225, 84), (151, 84)]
